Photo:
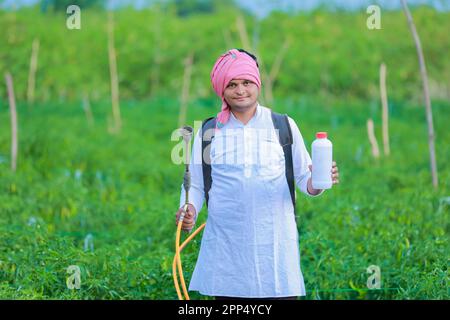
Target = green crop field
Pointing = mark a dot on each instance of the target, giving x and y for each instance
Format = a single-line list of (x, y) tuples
[(74, 180), (105, 203)]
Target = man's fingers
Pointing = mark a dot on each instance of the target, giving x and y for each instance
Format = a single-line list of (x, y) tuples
[(188, 225), (334, 173), (177, 217), (188, 220)]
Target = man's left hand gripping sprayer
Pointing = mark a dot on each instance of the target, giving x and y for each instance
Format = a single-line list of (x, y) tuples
[(186, 133)]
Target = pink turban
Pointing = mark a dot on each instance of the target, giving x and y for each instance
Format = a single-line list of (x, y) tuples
[(232, 65)]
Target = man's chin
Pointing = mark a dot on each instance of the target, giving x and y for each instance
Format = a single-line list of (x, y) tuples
[(242, 105)]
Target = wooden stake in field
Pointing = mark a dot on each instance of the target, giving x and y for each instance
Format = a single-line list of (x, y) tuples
[(185, 91), (32, 72), (385, 112), (227, 38), (272, 76), (426, 93), (372, 138), (14, 127), (268, 78), (155, 73), (114, 77), (87, 109), (245, 40), (243, 34), (158, 55)]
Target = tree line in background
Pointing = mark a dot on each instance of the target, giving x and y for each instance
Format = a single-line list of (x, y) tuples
[(183, 8), (314, 53)]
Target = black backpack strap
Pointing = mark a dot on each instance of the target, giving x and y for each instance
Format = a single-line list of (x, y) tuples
[(281, 122), (208, 129)]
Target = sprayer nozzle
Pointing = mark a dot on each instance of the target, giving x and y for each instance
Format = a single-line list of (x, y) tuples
[(186, 133)]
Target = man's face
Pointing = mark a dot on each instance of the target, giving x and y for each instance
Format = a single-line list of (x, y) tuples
[(241, 94)]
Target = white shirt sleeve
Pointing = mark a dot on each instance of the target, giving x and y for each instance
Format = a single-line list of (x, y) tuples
[(196, 192), (301, 160)]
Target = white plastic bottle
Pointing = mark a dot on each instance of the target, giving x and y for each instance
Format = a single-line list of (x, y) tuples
[(322, 157)]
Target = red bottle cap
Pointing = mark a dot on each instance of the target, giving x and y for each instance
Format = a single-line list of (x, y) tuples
[(321, 135)]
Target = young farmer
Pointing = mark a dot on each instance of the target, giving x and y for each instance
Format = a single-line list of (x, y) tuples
[(250, 246)]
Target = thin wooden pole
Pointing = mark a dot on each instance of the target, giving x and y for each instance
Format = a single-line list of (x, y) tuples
[(114, 77), (14, 127), (157, 56), (32, 72), (372, 138), (426, 93), (268, 77), (87, 109), (227, 38), (185, 91), (155, 73), (279, 59), (266, 97), (385, 112), (243, 34), (272, 76)]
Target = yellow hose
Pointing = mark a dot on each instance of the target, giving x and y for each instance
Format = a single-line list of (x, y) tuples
[(177, 258)]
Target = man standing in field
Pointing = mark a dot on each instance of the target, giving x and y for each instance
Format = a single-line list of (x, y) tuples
[(250, 245)]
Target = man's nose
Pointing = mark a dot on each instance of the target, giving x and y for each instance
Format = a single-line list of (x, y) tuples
[(240, 89)]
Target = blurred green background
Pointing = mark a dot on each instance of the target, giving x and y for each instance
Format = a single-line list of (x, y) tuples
[(75, 180)]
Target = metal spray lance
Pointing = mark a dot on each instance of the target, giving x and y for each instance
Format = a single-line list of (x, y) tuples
[(186, 133)]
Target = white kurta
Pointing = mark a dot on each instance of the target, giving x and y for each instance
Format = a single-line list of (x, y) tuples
[(250, 245)]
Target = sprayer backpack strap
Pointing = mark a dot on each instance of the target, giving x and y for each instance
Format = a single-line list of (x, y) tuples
[(280, 122), (208, 128)]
